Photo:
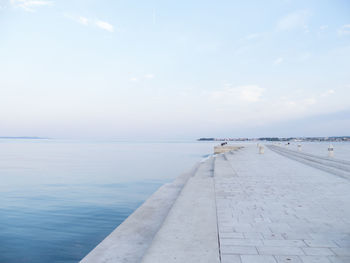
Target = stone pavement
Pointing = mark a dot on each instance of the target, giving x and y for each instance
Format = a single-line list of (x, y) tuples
[(241, 207), (274, 209)]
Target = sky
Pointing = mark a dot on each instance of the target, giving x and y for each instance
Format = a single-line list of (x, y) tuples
[(174, 69)]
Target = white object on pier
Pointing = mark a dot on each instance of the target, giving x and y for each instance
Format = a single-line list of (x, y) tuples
[(330, 151), (261, 149)]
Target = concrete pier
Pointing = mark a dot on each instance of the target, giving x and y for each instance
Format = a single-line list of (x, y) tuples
[(245, 207)]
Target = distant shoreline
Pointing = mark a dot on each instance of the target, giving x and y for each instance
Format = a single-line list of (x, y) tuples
[(23, 137), (289, 139)]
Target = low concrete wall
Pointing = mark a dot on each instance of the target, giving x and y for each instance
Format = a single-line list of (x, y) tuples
[(130, 240)]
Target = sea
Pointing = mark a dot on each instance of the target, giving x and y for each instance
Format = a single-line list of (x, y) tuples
[(60, 198)]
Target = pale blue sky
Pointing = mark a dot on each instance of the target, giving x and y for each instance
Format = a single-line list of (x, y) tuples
[(174, 69)]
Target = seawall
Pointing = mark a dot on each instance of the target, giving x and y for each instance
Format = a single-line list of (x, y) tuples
[(130, 240)]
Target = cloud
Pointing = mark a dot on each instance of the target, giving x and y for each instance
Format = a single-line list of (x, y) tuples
[(140, 78), (293, 21), (248, 105), (149, 76), (309, 101), (278, 61), (104, 25), (304, 56), (328, 93), (30, 5), (251, 36), (248, 93), (83, 20), (251, 93), (86, 22), (79, 19), (344, 30)]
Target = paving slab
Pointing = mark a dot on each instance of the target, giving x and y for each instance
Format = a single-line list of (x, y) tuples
[(287, 211), (257, 259), (288, 259)]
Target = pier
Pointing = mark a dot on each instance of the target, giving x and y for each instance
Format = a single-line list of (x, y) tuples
[(242, 206)]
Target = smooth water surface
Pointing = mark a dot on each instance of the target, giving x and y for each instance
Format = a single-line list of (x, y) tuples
[(59, 199)]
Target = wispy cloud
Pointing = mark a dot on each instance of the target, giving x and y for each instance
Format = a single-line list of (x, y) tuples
[(304, 56), (144, 77), (251, 93), (133, 79), (104, 25), (91, 22), (79, 19), (344, 30), (278, 61), (259, 106), (294, 20), (251, 36), (83, 20), (248, 93), (328, 93), (30, 5), (149, 76)]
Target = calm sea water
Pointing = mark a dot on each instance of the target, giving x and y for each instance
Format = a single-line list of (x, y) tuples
[(59, 199)]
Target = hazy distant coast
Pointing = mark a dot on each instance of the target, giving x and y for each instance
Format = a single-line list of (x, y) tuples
[(23, 137), (278, 139)]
